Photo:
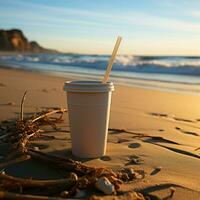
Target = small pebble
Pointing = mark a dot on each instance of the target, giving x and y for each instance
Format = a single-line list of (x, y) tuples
[(134, 145), (105, 186), (105, 158), (11, 103), (2, 171), (73, 176), (64, 194), (156, 170), (36, 148)]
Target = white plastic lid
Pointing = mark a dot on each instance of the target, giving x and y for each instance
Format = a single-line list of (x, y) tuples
[(88, 86)]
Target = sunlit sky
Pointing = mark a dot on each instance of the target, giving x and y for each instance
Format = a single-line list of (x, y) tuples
[(148, 27)]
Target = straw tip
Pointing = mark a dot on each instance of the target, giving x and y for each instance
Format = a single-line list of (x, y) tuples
[(119, 37)]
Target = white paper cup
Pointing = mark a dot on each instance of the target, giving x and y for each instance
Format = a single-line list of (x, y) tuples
[(89, 110)]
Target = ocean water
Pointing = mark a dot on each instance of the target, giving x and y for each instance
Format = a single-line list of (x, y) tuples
[(173, 73)]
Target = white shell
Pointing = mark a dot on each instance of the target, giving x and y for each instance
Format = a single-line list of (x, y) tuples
[(73, 176), (105, 186), (64, 194), (36, 148)]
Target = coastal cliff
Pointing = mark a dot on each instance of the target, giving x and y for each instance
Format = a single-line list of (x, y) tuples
[(15, 41)]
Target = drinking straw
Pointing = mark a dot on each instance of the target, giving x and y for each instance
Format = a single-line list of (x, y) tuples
[(111, 61)]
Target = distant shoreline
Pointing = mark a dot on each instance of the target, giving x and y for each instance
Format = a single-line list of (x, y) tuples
[(89, 54), (183, 88)]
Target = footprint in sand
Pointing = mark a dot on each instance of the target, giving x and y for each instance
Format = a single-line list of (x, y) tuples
[(186, 132), (134, 145), (44, 90), (183, 120), (105, 158), (155, 171), (122, 140), (158, 114), (2, 85)]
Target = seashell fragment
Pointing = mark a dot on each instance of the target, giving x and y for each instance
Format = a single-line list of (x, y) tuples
[(64, 194), (105, 186), (36, 148), (73, 176)]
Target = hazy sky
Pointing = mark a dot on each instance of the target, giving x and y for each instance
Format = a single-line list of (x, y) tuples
[(148, 27)]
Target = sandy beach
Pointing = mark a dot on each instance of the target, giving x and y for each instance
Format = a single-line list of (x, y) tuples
[(161, 131)]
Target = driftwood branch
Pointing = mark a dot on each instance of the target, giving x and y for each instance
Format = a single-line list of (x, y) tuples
[(10, 181), (61, 110), (60, 162), (14, 161), (16, 196), (22, 106)]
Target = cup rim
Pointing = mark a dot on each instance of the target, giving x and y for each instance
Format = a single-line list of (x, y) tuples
[(88, 86)]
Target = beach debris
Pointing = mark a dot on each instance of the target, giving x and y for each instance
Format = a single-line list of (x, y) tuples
[(64, 194), (198, 148), (173, 190), (156, 170), (105, 186), (82, 178), (134, 145), (133, 174), (73, 176), (23, 130), (135, 161), (14, 161), (11, 182), (36, 148)]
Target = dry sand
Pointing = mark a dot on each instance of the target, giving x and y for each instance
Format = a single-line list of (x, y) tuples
[(165, 132)]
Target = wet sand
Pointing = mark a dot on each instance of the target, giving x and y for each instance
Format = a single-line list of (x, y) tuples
[(160, 133)]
